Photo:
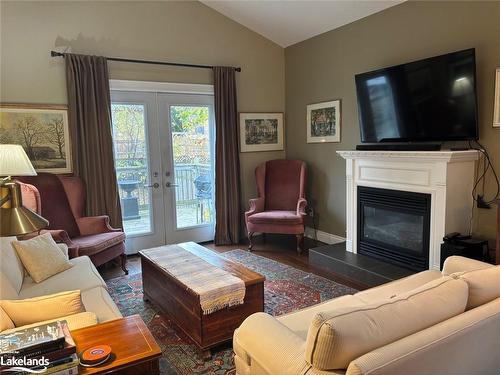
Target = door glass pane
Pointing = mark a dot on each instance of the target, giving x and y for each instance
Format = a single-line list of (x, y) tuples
[(192, 165), (131, 162)]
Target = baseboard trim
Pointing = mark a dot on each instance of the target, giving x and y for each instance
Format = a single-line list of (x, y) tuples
[(325, 237)]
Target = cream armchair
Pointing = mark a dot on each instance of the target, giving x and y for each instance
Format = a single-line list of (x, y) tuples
[(427, 323)]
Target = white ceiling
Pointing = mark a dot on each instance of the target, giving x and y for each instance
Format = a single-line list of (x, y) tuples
[(289, 22)]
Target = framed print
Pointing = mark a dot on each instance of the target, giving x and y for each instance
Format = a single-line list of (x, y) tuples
[(261, 132), (323, 122), (43, 132), (496, 111)]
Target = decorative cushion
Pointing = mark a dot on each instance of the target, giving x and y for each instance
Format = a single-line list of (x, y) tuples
[(41, 257), (53, 306), (275, 217), (75, 321), (5, 321), (337, 337), (95, 243), (484, 285)]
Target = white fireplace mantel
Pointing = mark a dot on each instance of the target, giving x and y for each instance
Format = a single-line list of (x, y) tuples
[(448, 176)]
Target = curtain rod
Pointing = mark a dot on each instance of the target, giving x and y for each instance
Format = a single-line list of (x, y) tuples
[(60, 54)]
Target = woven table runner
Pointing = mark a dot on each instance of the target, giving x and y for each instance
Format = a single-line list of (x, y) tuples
[(217, 288)]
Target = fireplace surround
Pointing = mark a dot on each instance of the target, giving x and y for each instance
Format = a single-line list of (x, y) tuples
[(445, 178)]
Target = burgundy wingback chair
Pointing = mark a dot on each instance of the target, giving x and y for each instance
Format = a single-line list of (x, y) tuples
[(280, 207), (61, 200)]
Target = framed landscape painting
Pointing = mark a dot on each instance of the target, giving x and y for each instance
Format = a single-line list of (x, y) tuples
[(261, 132), (43, 132), (323, 122), (496, 112)]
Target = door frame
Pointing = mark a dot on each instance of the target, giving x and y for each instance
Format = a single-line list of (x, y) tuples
[(134, 243), (200, 232)]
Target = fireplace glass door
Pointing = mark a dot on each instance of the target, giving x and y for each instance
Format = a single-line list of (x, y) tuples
[(394, 226)]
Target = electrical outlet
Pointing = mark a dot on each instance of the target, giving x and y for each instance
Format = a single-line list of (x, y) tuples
[(481, 203), (310, 211)]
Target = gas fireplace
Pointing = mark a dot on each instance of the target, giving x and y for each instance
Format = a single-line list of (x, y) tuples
[(394, 226)]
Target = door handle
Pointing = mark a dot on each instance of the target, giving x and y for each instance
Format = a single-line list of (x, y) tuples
[(156, 185), (169, 184)]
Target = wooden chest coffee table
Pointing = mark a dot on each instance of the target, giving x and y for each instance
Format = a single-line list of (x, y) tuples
[(183, 305), (134, 350)]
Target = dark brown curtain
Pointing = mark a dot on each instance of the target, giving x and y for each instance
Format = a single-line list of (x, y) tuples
[(91, 136), (227, 162)]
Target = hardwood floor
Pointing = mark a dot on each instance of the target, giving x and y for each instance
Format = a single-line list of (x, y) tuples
[(277, 247)]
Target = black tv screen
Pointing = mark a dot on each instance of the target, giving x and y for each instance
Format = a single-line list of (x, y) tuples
[(427, 100)]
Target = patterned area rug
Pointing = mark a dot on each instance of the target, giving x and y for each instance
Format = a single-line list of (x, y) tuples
[(286, 289)]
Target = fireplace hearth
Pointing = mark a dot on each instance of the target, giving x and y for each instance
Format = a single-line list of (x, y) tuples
[(394, 226)]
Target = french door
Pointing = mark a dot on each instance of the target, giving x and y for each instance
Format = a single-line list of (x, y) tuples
[(164, 156)]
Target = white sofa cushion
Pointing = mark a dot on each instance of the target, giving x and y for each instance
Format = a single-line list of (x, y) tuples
[(335, 338), (99, 302), (484, 285), (299, 321), (397, 287), (11, 268), (83, 275), (455, 263)]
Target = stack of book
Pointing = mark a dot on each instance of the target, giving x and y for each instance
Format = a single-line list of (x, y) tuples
[(48, 347)]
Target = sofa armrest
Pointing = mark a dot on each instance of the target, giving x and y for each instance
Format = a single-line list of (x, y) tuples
[(261, 338), (94, 225), (456, 263), (256, 205), (301, 207)]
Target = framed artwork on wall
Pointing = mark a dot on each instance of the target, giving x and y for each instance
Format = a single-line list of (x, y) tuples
[(323, 122), (496, 111), (261, 132), (43, 132)]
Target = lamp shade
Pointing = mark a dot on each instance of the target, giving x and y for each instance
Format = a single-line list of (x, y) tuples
[(14, 161)]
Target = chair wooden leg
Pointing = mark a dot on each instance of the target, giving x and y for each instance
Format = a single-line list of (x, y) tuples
[(123, 262), (300, 243), (250, 245)]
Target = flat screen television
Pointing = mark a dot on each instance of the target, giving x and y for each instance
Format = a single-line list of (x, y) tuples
[(427, 100)]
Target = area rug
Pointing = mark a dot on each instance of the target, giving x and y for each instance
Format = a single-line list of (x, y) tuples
[(286, 289)]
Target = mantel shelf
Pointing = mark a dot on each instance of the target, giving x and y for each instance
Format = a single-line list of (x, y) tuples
[(416, 156)]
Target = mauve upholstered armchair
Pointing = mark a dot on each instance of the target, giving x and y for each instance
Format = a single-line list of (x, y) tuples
[(61, 200), (281, 205)]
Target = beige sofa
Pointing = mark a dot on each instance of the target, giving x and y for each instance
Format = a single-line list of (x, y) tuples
[(15, 284), (427, 323)]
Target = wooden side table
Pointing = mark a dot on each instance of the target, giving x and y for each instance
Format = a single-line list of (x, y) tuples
[(134, 350), (497, 248)]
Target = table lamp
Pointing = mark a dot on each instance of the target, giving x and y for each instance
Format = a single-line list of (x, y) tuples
[(14, 218)]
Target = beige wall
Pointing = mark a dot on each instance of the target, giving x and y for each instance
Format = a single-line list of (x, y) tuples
[(175, 31), (323, 68)]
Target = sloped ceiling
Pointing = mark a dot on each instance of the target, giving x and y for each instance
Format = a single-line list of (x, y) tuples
[(290, 22)]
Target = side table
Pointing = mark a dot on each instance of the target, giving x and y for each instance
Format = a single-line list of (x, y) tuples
[(134, 350)]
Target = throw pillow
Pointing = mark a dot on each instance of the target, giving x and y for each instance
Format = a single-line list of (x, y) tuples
[(41, 257), (484, 285), (5, 321), (38, 309)]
